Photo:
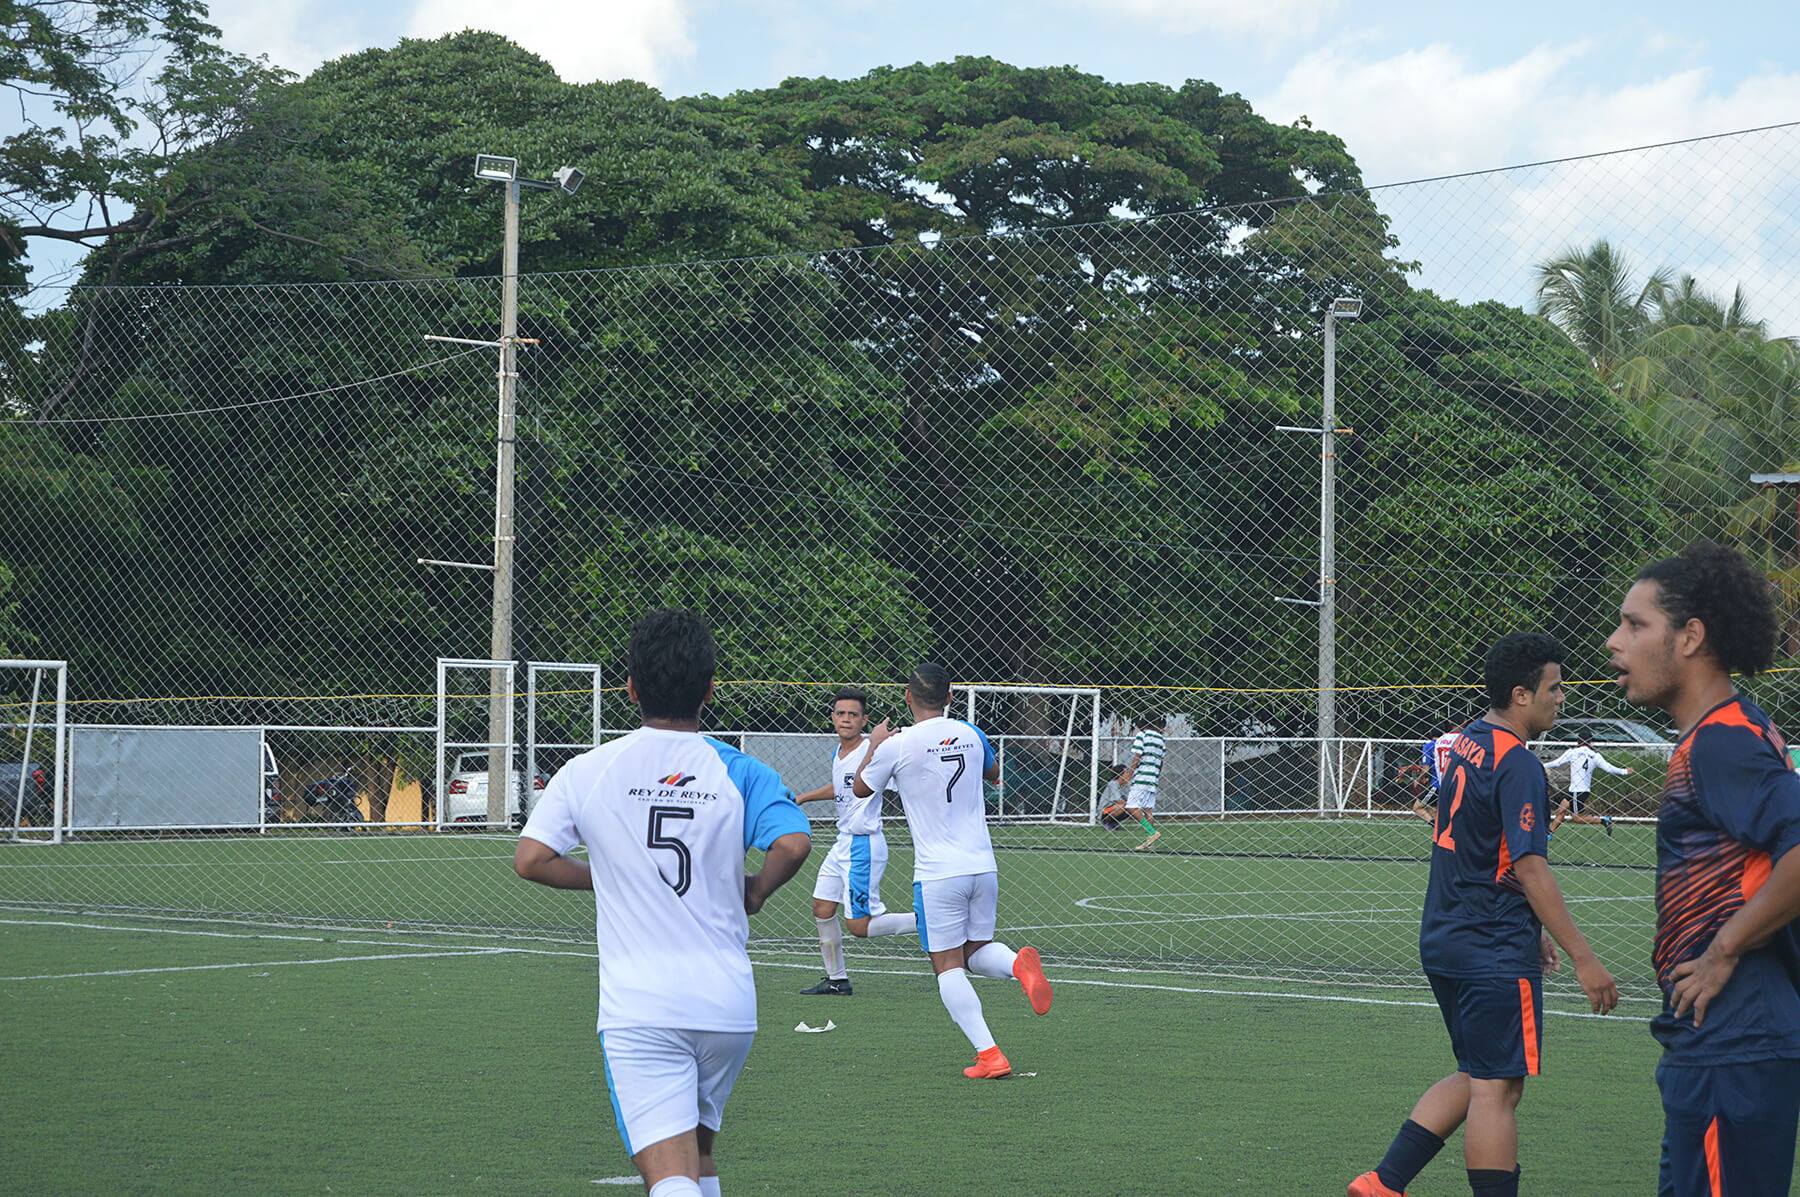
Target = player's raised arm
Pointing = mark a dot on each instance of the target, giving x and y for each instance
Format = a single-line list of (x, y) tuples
[(876, 768), (1607, 765)]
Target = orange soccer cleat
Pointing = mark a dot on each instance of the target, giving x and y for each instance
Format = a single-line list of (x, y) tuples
[(1029, 969), (989, 1065), (1369, 1185)]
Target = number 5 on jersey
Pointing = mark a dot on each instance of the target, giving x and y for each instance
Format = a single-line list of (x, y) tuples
[(656, 837)]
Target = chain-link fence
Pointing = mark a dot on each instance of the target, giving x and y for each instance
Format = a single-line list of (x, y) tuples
[(1084, 457)]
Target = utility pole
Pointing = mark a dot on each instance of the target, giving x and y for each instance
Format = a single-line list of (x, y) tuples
[(1328, 569), (498, 168), (500, 643)]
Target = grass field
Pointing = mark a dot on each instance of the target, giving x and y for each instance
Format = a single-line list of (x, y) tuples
[(1240, 1013)]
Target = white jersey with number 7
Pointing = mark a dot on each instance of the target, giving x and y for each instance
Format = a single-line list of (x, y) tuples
[(936, 766)]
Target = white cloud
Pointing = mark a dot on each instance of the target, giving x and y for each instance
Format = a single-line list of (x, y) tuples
[(1722, 209), (583, 40), (296, 34), (1269, 19)]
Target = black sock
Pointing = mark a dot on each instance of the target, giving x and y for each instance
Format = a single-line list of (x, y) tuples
[(1491, 1182), (1407, 1155)]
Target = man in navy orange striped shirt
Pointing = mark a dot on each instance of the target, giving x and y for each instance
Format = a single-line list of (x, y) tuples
[(1492, 908), (1727, 885)]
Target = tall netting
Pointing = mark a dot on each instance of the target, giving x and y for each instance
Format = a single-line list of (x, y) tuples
[(1050, 459)]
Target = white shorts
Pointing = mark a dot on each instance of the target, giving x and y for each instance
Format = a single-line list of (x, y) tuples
[(956, 910), (665, 1082), (851, 875), (1141, 798)]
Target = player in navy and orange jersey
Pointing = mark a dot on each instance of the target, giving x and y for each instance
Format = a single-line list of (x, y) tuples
[(1727, 885), (1489, 903)]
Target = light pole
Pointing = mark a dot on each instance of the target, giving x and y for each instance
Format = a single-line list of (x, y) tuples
[(1342, 308), (499, 169)]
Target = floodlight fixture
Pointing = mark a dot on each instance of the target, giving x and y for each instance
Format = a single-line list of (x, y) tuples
[(496, 167), (569, 179), (1346, 307)]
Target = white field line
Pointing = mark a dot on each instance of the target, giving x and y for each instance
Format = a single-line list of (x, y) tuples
[(1201, 991), (201, 968), (120, 867)]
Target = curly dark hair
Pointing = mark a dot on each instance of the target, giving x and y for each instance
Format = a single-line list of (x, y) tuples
[(1718, 586), (673, 657), (1518, 659)]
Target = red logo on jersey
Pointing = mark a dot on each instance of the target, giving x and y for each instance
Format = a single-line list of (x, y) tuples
[(1527, 818), (950, 740), (675, 779)]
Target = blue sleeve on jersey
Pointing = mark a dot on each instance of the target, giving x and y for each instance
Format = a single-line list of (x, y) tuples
[(1749, 790), (1429, 757), (770, 811), (1524, 797), (987, 749)]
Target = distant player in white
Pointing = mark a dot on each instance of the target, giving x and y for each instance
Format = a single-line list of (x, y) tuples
[(851, 873), (667, 815), (1581, 761), (1141, 780), (1437, 764), (938, 765)]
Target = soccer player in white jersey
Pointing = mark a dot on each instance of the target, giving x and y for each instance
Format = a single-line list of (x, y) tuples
[(1581, 761), (1141, 779), (938, 765), (851, 873), (667, 815), (1437, 764)]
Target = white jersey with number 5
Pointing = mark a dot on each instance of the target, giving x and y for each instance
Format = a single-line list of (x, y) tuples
[(667, 817), (937, 766)]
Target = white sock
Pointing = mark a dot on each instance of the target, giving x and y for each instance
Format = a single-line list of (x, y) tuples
[(993, 960), (893, 924), (831, 947), (709, 1186), (965, 1008), (676, 1186)]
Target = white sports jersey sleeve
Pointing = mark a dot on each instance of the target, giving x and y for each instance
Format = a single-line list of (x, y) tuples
[(937, 766), (667, 817)]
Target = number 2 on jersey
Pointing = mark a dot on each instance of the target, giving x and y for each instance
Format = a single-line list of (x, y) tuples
[(950, 786), (1444, 838), (684, 859)]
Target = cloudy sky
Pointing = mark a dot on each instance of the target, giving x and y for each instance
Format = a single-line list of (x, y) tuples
[(1416, 89)]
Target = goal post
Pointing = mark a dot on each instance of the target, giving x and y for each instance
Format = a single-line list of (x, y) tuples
[(1047, 741), (34, 696), (561, 719)]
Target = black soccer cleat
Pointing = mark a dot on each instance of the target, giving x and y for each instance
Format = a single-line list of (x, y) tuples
[(837, 988)]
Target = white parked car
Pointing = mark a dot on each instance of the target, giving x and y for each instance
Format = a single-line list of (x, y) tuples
[(466, 791)]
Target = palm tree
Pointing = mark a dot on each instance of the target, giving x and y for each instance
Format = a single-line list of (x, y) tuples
[(1590, 295)]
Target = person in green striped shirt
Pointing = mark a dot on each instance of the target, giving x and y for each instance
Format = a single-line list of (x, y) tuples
[(1140, 779)]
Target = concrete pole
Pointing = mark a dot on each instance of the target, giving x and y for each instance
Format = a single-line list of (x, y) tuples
[(500, 646), (1328, 572)]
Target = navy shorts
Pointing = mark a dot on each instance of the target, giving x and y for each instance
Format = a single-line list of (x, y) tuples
[(1496, 1024), (1728, 1129)]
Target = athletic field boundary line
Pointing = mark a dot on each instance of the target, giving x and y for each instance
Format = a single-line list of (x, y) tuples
[(474, 950), (778, 946), (201, 968)]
